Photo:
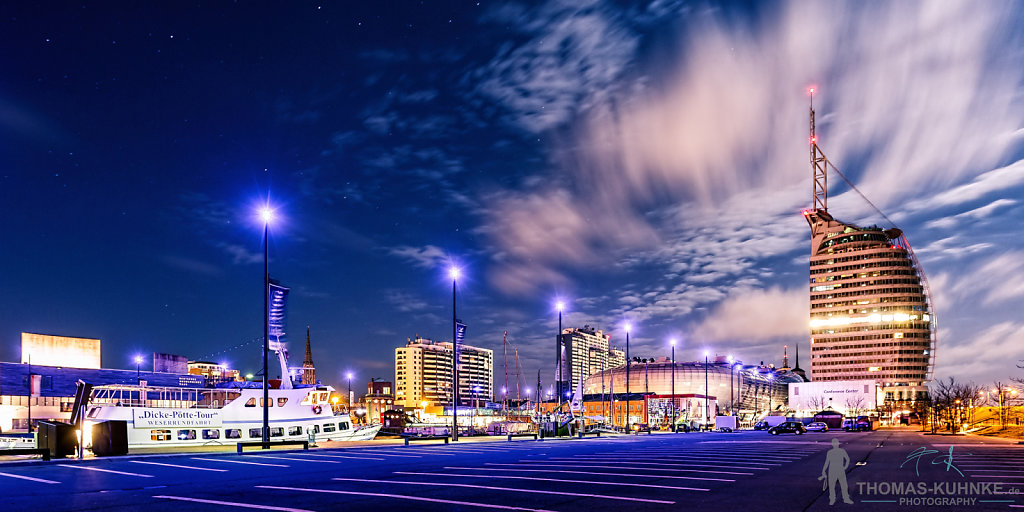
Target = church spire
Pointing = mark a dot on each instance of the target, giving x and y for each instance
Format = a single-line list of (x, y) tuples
[(308, 370)]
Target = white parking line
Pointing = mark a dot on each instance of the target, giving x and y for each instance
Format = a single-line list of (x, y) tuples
[(382, 454), (242, 462), (234, 504), (402, 497), (513, 477), (40, 480), (90, 468), (646, 463), (593, 473), (339, 456), (297, 459), (618, 466), (513, 489), (176, 465), (664, 460), (699, 460)]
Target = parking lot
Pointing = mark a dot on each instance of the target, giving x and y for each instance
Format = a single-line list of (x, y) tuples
[(650, 472)]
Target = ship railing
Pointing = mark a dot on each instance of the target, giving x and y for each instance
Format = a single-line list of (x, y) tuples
[(162, 397)]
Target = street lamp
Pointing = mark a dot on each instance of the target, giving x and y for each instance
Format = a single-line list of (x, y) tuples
[(707, 394), (138, 361), (771, 377), (673, 343), (627, 327), (267, 215), (560, 306), (732, 399), (453, 272), (348, 377)]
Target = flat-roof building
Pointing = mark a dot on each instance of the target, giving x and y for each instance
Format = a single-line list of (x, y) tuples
[(423, 373)]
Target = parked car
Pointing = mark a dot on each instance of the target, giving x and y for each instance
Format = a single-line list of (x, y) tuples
[(856, 425), (761, 425), (817, 426), (789, 427)]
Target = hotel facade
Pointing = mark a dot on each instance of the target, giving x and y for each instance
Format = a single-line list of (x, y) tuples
[(423, 373), (587, 351)]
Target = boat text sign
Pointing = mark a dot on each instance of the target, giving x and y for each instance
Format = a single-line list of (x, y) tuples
[(176, 418)]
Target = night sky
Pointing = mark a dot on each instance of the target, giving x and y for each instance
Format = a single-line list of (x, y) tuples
[(644, 162)]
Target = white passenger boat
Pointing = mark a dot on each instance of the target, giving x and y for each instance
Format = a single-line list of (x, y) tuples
[(166, 416)]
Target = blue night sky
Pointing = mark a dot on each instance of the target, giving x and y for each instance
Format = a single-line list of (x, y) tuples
[(647, 162)]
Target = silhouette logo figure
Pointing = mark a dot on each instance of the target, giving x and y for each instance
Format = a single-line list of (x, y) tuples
[(834, 471)]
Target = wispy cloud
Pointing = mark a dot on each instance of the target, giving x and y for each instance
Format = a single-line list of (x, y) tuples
[(429, 256)]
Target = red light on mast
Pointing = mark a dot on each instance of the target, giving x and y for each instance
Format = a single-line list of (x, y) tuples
[(806, 213), (814, 140)]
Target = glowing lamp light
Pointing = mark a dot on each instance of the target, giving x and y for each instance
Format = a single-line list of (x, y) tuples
[(810, 90), (138, 359), (672, 342), (706, 353), (730, 359), (453, 272), (266, 214), (348, 375), (627, 327), (334, 400), (560, 306), (806, 213)]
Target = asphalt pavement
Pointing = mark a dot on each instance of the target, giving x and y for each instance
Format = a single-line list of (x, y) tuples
[(888, 470)]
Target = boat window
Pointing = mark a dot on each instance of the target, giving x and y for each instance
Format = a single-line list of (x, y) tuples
[(329, 427), (281, 402), (343, 425), (262, 402), (211, 433), (160, 435), (92, 412), (186, 435), (316, 429), (233, 433), (251, 402), (256, 433), (277, 432), (295, 431)]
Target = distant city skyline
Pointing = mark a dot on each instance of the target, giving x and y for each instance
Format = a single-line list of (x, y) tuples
[(644, 163)]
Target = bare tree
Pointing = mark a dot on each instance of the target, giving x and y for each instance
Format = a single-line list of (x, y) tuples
[(855, 406), (818, 403)]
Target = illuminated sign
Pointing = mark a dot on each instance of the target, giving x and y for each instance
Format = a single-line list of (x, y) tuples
[(146, 418), (47, 350)]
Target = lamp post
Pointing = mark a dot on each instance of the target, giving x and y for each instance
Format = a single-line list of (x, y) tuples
[(707, 394), (732, 399), (348, 377), (267, 215), (558, 355), (673, 343), (138, 361), (771, 377), (627, 377), (453, 272)]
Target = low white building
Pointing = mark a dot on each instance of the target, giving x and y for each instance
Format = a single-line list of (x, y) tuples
[(849, 397)]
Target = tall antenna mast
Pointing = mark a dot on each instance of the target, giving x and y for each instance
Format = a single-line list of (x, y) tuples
[(504, 348), (818, 165)]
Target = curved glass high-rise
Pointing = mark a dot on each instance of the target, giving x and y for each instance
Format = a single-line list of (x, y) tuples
[(871, 315)]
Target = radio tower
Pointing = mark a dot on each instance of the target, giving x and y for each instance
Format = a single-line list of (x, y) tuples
[(819, 164)]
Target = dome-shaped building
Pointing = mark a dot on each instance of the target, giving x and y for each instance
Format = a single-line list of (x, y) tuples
[(751, 392)]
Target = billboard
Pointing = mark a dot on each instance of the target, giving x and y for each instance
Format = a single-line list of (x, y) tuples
[(169, 363), (49, 350)]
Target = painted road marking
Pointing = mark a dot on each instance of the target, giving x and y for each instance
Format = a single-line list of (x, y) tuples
[(514, 477), (242, 462), (513, 489), (336, 457), (90, 468), (572, 461), (382, 454), (594, 473), (234, 504), (402, 497), (298, 459), (541, 463), (175, 465), (40, 480)]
